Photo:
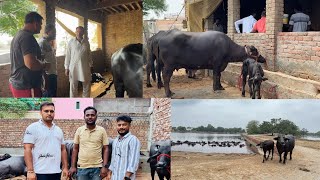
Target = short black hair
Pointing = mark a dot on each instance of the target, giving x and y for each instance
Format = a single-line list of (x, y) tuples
[(46, 104), (49, 27), (80, 27), (88, 108), (124, 118), (298, 8), (32, 17), (263, 14)]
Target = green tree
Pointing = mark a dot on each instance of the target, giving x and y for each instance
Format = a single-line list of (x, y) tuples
[(287, 127), (181, 129), (158, 6), (12, 15), (266, 127), (253, 127), (304, 132), (318, 133), (12, 108)]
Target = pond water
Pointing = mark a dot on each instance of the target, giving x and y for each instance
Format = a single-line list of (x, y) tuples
[(312, 138), (216, 138)]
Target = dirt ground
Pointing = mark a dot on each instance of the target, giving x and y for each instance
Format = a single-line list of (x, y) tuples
[(305, 164), (184, 87), (140, 176)]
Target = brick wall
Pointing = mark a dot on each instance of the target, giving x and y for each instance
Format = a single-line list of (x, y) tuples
[(4, 80), (298, 54), (259, 40), (162, 121), (122, 29), (63, 81), (12, 131)]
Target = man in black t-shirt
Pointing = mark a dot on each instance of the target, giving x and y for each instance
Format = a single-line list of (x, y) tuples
[(27, 65)]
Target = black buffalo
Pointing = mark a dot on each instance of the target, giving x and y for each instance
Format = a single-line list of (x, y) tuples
[(267, 145), (252, 68), (284, 145), (160, 159), (12, 167), (127, 70), (200, 50), (153, 55)]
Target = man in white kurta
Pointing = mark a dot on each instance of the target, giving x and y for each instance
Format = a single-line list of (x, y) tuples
[(78, 64)]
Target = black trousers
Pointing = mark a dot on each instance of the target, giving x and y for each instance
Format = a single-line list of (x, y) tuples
[(49, 176)]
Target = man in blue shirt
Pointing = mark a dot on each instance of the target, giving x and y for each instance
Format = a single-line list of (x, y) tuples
[(125, 152)]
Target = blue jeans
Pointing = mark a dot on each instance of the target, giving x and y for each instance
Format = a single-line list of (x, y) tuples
[(51, 87), (88, 174)]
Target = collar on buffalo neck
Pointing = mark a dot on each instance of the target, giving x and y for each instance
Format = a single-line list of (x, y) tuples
[(168, 156), (250, 53)]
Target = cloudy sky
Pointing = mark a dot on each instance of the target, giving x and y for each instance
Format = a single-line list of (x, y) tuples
[(174, 6), (237, 113)]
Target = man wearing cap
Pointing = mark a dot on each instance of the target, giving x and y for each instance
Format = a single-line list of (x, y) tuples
[(125, 152), (90, 144), (44, 147)]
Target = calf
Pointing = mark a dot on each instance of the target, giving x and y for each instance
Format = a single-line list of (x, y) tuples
[(252, 68), (284, 145), (267, 145), (160, 159), (127, 70)]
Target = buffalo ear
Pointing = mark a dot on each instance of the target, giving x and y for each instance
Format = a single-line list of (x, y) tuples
[(276, 138)]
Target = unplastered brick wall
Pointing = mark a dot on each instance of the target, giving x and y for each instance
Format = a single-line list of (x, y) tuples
[(298, 54), (12, 131), (258, 40), (4, 80), (162, 119), (139, 126), (122, 29)]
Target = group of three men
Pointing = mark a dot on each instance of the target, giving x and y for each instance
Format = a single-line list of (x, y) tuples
[(44, 149), (31, 62), (299, 22)]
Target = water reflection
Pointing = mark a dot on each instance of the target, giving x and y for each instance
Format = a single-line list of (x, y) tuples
[(312, 138), (205, 148)]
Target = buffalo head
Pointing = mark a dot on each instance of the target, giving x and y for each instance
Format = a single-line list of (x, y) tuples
[(254, 53)]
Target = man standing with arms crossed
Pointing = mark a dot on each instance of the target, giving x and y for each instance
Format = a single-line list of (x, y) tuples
[(90, 143), (125, 152), (78, 64), (44, 147)]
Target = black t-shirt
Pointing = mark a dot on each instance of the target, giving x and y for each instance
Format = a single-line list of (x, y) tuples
[(22, 77)]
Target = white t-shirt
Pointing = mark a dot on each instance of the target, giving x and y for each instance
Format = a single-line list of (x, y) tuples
[(47, 147), (247, 24)]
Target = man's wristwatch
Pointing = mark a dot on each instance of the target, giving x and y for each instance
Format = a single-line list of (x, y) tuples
[(106, 166), (127, 178)]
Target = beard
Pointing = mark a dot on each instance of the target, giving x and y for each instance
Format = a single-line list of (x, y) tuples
[(124, 133), (90, 123)]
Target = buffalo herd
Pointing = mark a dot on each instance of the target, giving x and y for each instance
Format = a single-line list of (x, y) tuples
[(173, 49)]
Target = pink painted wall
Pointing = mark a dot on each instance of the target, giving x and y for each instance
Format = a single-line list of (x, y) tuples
[(65, 108)]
